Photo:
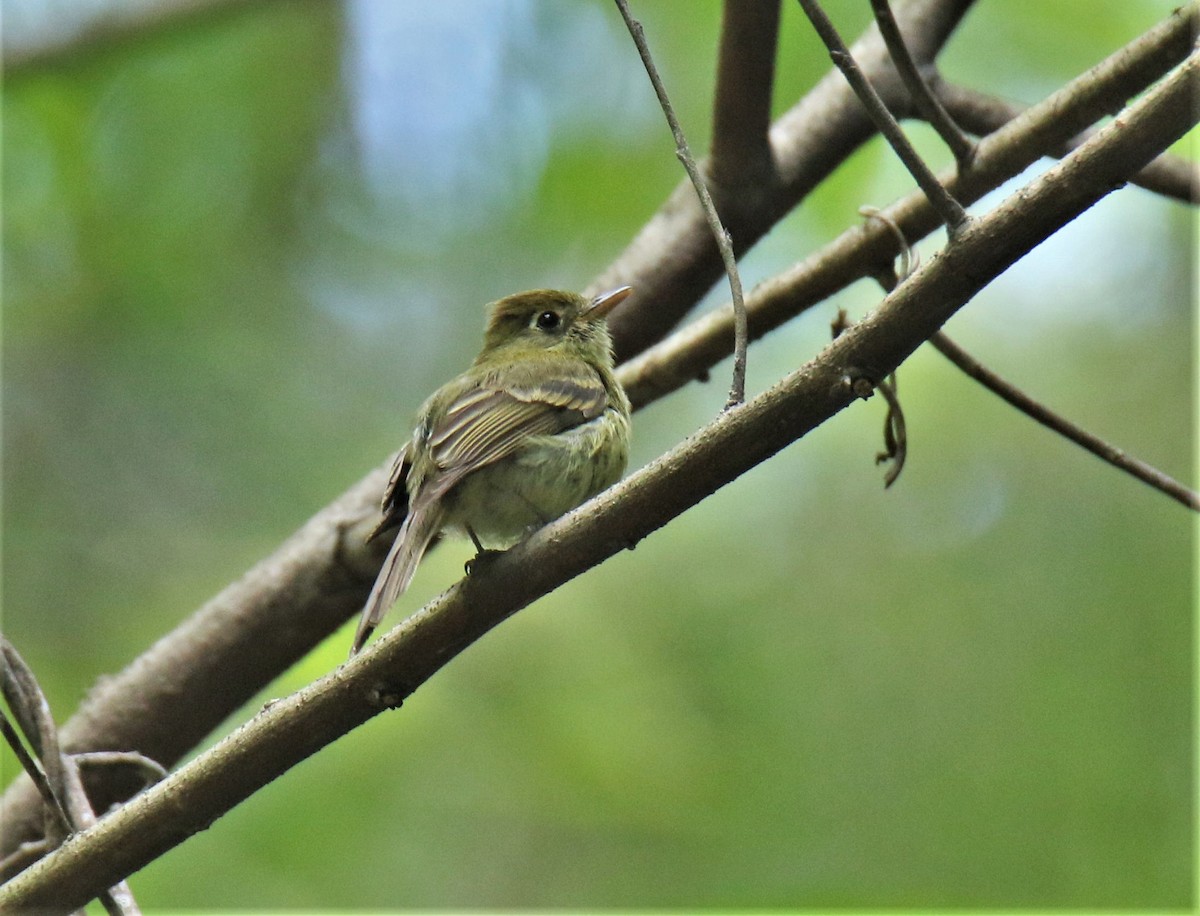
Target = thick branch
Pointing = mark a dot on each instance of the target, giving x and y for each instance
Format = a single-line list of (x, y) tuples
[(741, 150), (237, 643), (288, 731), (258, 626)]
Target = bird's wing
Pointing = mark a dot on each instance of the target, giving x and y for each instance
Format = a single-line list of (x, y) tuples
[(487, 422), (395, 495)]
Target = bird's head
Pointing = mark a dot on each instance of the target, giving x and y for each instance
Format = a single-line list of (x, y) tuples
[(550, 319)]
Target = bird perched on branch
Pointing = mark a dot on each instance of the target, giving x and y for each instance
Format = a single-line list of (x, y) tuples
[(537, 425)]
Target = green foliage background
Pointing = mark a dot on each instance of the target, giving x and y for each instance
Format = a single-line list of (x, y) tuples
[(973, 690)]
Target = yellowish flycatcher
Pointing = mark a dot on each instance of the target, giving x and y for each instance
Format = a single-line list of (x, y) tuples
[(535, 427)]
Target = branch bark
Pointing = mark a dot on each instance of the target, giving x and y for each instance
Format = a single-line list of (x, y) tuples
[(257, 627), (923, 98), (1169, 175), (741, 149), (290, 730), (223, 654)]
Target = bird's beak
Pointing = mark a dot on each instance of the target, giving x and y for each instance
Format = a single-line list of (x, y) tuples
[(606, 302)]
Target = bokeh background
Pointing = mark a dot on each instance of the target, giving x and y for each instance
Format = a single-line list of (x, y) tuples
[(239, 250)]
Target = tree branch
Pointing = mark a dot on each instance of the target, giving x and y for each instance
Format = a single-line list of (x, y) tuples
[(923, 98), (257, 627), (741, 149), (737, 388), (225, 653), (53, 805), (950, 210), (381, 678), (1061, 425), (67, 806), (1169, 175)]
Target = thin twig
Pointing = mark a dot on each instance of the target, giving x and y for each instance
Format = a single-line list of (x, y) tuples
[(151, 770), (1017, 398), (1044, 415), (32, 713), (30, 766), (1169, 175), (116, 899), (66, 801), (809, 141), (23, 856), (895, 433), (926, 102), (950, 210), (909, 257), (895, 430), (737, 388), (856, 254)]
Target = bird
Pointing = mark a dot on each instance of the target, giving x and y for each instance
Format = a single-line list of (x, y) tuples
[(537, 425)]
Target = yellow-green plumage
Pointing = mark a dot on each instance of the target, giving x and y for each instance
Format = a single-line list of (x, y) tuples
[(537, 425)]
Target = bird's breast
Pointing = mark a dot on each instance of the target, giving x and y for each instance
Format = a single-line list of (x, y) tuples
[(543, 479)]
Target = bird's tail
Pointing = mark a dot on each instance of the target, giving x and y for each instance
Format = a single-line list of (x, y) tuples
[(418, 530)]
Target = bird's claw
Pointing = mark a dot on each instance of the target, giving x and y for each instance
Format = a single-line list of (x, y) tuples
[(483, 556)]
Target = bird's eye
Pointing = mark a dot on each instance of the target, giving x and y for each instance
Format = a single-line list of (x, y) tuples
[(547, 321)]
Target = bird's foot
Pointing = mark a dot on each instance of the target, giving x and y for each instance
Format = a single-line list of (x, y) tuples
[(484, 556)]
